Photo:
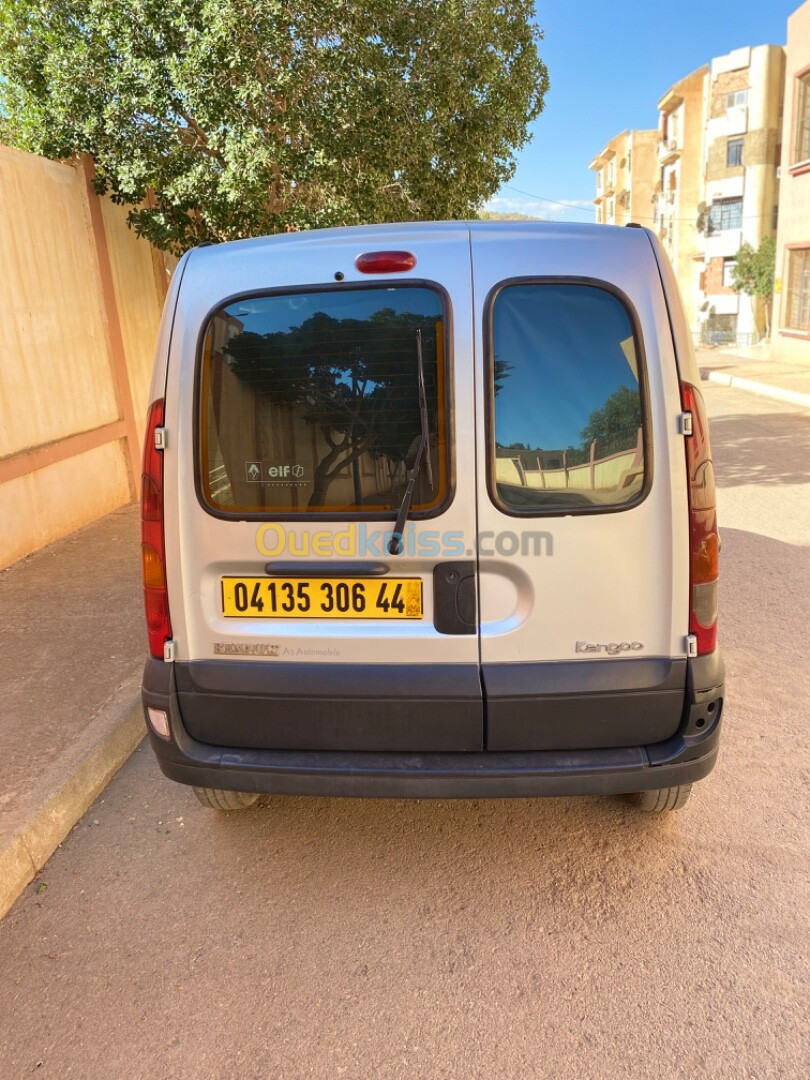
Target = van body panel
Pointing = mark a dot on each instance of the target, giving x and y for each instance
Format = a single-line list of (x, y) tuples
[(615, 576), (209, 548), (551, 653)]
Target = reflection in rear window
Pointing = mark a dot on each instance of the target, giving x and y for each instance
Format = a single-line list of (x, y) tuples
[(310, 402), (567, 401)]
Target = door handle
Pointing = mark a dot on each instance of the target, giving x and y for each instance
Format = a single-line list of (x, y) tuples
[(454, 598)]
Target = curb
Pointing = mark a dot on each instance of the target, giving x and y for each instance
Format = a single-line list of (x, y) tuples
[(792, 397), (68, 789)]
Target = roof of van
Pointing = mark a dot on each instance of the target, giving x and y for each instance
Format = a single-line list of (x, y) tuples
[(400, 231)]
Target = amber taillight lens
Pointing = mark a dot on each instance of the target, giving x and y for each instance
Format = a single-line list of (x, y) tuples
[(153, 552), (703, 537)]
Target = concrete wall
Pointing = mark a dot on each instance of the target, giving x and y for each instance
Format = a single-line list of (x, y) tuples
[(630, 158), (759, 72), (643, 174), (605, 474), (82, 296), (794, 193), (682, 120)]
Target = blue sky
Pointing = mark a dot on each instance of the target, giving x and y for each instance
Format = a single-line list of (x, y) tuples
[(563, 343), (609, 63)]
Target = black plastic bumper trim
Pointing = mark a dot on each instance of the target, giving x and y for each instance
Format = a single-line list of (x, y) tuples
[(334, 707), (685, 758), (583, 704)]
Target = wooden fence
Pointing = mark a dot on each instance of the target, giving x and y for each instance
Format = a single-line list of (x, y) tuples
[(80, 302)]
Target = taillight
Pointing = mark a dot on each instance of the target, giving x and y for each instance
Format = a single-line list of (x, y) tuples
[(153, 553), (703, 538), (385, 262)]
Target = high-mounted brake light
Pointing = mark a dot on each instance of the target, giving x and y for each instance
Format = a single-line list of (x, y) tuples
[(153, 553), (703, 537), (385, 262)]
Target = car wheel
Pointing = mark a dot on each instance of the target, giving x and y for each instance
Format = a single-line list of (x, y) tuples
[(217, 799), (663, 799)]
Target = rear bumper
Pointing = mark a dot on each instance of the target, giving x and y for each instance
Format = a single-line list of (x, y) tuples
[(685, 757)]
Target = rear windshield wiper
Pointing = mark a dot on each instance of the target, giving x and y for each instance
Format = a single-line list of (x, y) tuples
[(395, 545)]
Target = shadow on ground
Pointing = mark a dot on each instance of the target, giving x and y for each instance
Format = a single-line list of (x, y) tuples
[(765, 448)]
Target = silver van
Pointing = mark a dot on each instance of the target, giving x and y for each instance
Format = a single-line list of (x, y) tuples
[(428, 510)]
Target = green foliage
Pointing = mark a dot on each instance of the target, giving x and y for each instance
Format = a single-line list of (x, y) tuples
[(616, 424), (219, 119), (363, 398), (754, 269), (494, 215)]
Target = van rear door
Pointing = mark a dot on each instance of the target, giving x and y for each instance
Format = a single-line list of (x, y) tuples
[(294, 417), (582, 510)]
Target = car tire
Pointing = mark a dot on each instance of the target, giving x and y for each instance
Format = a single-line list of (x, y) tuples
[(661, 800), (216, 799)]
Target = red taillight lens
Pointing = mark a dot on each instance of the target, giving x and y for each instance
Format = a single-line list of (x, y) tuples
[(385, 262), (153, 553), (703, 538)]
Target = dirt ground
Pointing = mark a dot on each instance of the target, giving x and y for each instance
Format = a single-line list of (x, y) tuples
[(393, 939)]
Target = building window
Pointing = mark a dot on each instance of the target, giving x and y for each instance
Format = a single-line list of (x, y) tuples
[(611, 209), (797, 307), (734, 153), (802, 147), (725, 214), (737, 99), (728, 273)]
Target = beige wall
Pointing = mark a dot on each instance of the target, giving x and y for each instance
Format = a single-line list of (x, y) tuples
[(76, 361), (139, 296), (683, 111), (630, 159), (643, 171), (54, 371), (759, 72), (794, 191)]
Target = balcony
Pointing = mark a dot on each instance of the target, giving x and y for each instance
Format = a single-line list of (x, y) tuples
[(668, 151)]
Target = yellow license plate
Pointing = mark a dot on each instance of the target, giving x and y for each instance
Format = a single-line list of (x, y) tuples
[(321, 598)]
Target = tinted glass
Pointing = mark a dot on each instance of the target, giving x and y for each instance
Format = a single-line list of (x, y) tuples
[(566, 400), (310, 402)]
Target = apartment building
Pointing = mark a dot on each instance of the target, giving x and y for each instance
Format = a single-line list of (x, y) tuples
[(716, 184), (680, 184), (791, 309), (625, 176), (740, 201)]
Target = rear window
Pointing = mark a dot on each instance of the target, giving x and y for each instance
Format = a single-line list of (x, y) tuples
[(309, 402), (566, 403)]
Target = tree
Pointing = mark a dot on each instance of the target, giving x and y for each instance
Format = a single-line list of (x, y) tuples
[(355, 379), (219, 119), (753, 274), (617, 421)]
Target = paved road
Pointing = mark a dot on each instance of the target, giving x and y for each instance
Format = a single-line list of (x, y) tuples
[(541, 938)]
